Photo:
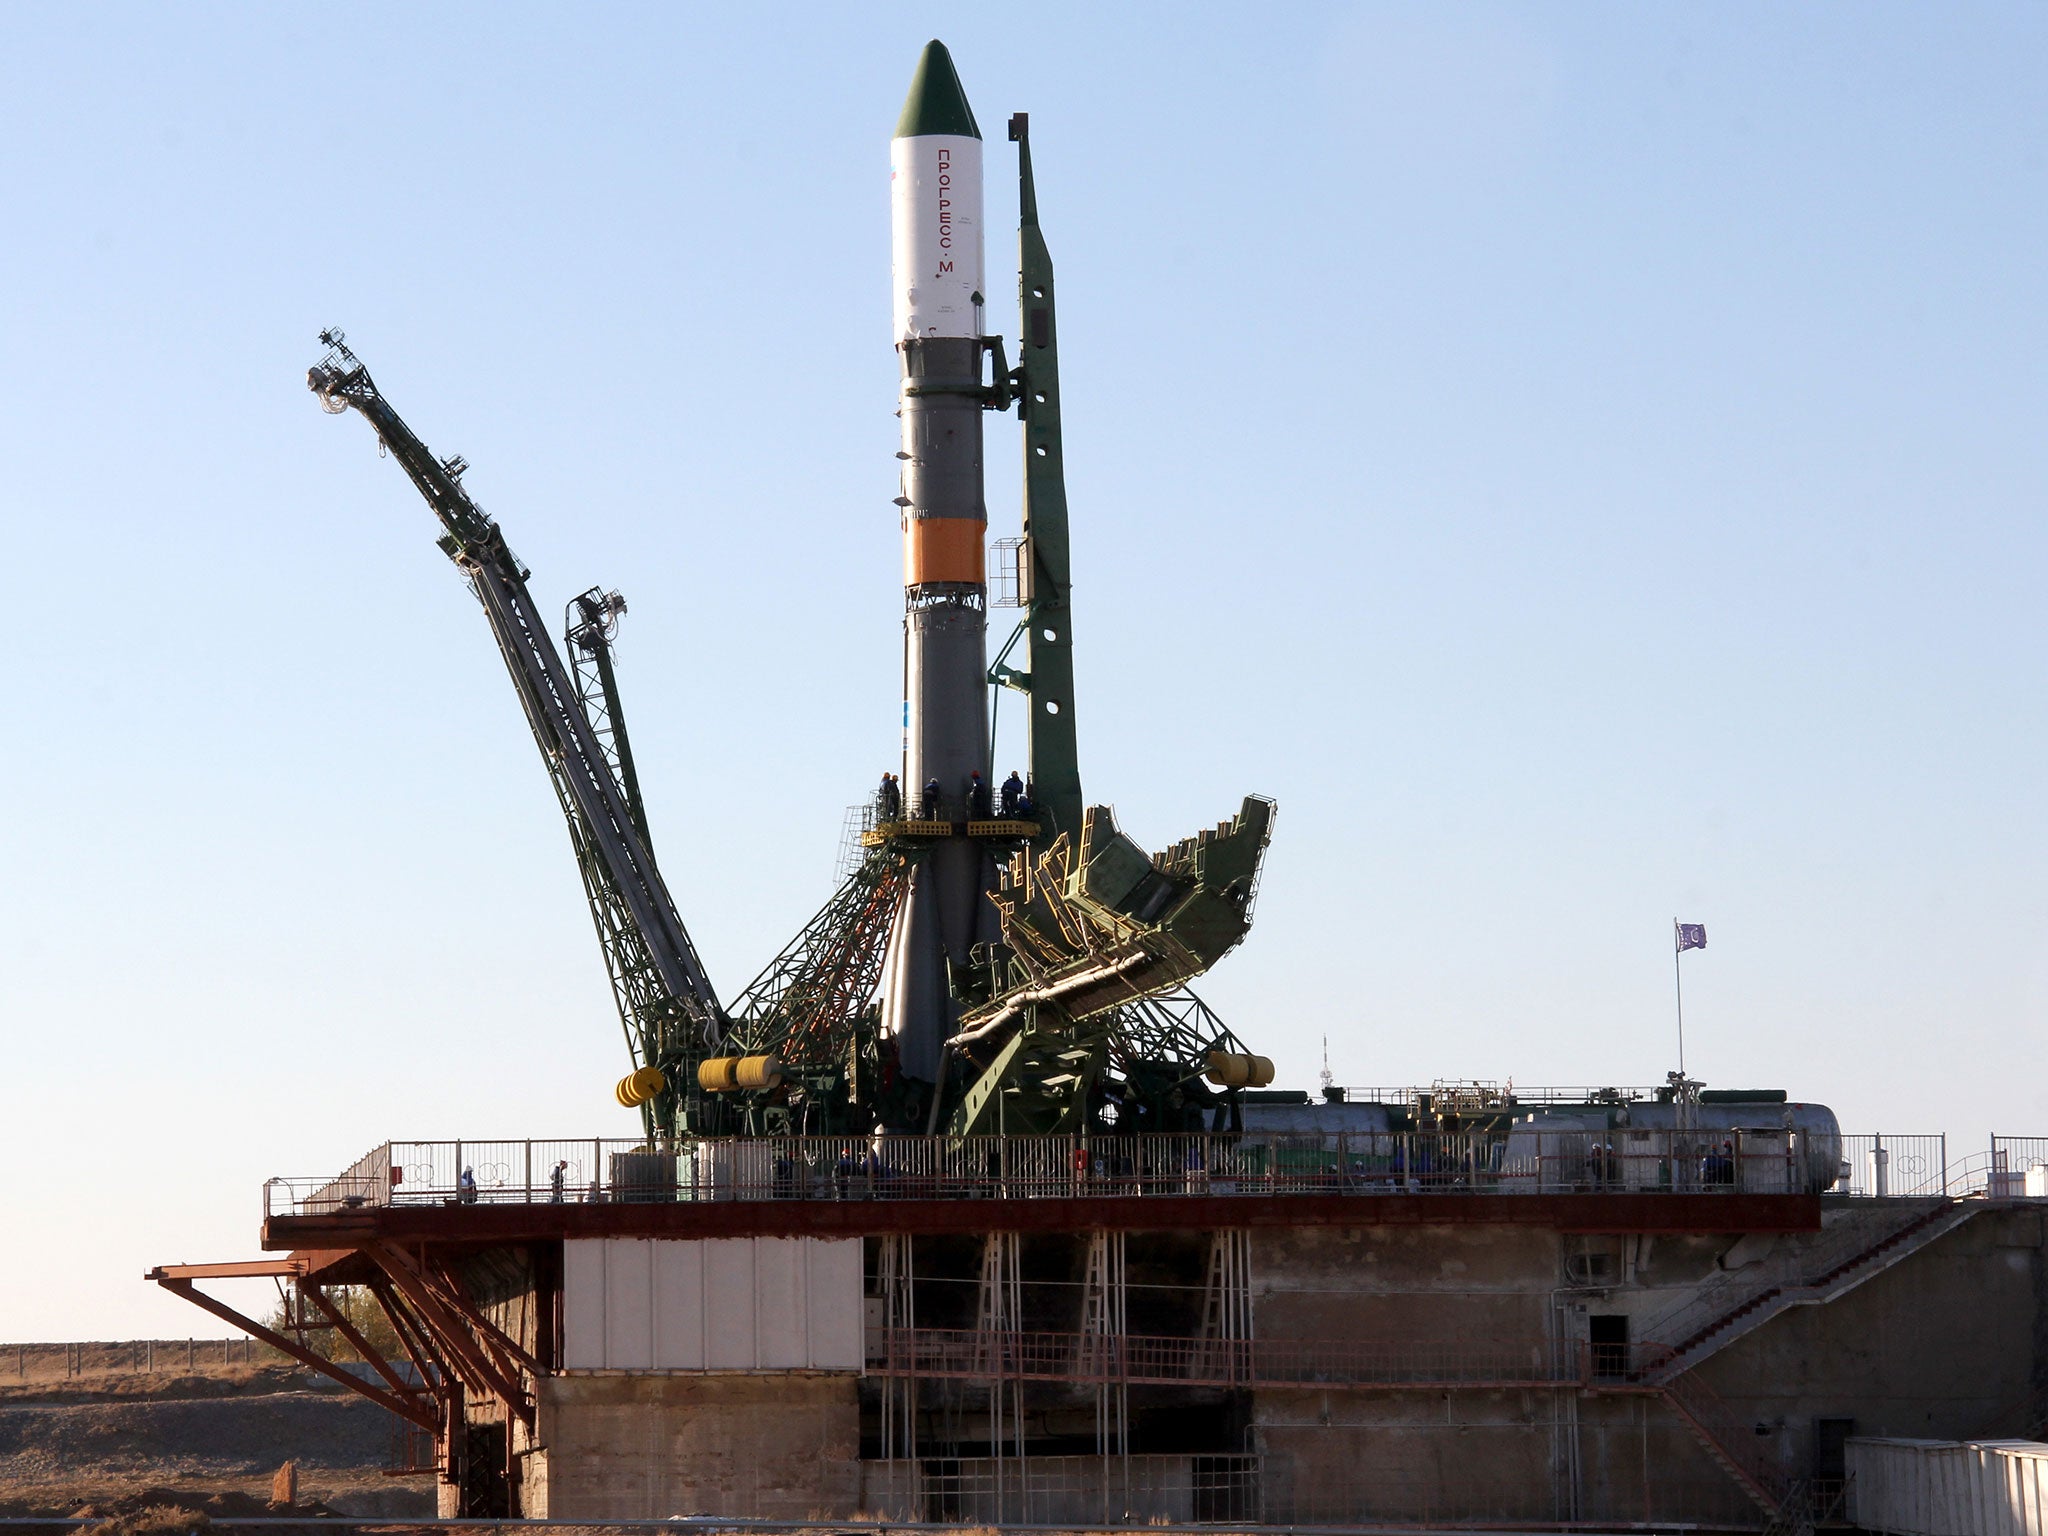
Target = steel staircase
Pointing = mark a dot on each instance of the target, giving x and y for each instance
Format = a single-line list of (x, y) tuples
[(1740, 1308), (1720, 1316)]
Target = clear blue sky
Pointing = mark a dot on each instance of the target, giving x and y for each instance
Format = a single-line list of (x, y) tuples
[(1586, 462)]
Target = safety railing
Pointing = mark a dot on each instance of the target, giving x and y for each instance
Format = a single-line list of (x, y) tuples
[(1494, 1094), (1074, 1492), (1147, 1360), (1924, 1166), (1520, 1161), (1895, 1165), (1834, 1257)]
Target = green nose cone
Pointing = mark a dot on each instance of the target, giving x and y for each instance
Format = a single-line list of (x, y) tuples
[(936, 104)]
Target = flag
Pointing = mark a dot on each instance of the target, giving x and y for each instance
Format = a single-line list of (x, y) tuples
[(1691, 936)]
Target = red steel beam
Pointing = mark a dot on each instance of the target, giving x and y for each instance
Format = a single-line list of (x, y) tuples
[(472, 1358), (241, 1269), (181, 1285), (413, 1334), (509, 1223), (362, 1346), (441, 1274)]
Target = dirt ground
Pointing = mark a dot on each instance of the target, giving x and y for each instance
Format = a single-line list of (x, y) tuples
[(84, 1426)]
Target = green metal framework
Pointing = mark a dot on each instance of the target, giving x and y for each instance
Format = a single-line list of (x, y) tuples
[(1044, 583), (1087, 990), (1080, 1015), (667, 1005), (811, 1006), (1094, 936)]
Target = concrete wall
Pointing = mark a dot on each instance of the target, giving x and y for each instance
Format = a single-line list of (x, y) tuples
[(1467, 1454), (1950, 1342), (781, 1446), (1412, 1284)]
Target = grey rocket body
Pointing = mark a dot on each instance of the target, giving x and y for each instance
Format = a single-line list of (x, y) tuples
[(937, 272)]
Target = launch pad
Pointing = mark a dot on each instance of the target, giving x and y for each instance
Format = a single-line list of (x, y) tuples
[(968, 1209)]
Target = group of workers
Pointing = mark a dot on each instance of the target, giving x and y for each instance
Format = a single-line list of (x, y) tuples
[(466, 1189), (1010, 803)]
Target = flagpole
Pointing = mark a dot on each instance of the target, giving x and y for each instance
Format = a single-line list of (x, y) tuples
[(1678, 983)]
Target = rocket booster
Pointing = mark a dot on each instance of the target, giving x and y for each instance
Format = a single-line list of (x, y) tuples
[(936, 269)]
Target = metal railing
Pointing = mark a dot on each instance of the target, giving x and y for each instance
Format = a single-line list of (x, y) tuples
[(1523, 1161), (1151, 1360), (1920, 1166), (1497, 1094), (1834, 1257), (1078, 1492), (1895, 1165)]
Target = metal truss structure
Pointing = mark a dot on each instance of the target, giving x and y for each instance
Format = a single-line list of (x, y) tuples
[(809, 1005), (666, 1002), (456, 1362)]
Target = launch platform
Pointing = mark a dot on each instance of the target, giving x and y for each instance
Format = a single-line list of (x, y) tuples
[(968, 1210)]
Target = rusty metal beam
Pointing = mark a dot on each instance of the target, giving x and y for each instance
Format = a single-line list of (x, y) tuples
[(457, 1296), (491, 1225), (413, 1335), (242, 1269), (372, 1356), (472, 1367), (180, 1285), (472, 1358)]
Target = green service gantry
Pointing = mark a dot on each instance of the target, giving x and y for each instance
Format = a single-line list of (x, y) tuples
[(1079, 1018)]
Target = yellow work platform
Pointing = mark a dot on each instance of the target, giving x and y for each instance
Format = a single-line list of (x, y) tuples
[(1010, 830)]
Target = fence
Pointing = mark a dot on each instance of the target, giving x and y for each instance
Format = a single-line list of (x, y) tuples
[(1151, 1360), (1896, 1165), (1521, 1161), (1074, 1491), (124, 1357), (1909, 1166)]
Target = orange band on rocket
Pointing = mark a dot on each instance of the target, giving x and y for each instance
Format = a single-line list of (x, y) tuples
[(943, 549)]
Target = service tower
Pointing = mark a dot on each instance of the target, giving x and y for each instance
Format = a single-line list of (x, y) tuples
[(936, 274)]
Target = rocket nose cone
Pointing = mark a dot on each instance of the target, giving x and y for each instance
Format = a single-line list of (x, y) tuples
[(936, 103)]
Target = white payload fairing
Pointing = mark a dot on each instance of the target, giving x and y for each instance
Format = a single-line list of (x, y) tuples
[(938, 281)]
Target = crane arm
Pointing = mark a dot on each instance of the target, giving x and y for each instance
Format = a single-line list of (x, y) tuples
[(664, 994)]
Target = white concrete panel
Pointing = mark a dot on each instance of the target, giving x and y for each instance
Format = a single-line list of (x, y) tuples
[(628, 1304), (679, 1306), (583, 1305), (722, 1304), (729, 1304), (836, 1311), (781, 1325)]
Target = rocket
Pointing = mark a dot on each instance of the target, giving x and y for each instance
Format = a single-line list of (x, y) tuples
[(936, 272)]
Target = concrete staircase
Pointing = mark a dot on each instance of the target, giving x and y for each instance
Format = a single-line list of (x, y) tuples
[(1718, 1318), (1740, 1306)]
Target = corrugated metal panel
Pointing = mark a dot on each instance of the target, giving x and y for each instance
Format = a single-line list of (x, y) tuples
[(720, 1304), (1947, 1488)]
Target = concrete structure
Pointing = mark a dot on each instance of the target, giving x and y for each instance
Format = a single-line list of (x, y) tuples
[(1111, 1350)]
